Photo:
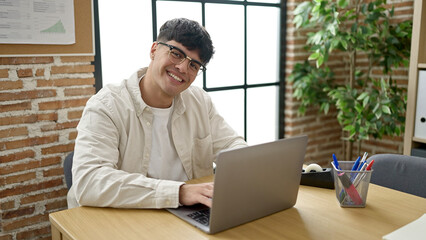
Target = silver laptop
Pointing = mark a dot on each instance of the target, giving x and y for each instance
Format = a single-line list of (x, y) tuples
[(250, 183)]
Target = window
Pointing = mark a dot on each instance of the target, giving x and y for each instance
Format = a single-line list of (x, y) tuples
[(243, 77)]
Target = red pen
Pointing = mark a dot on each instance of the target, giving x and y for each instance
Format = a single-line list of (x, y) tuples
[(370, 165)]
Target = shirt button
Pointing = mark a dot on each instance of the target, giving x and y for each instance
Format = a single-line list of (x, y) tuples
[(148, 123)]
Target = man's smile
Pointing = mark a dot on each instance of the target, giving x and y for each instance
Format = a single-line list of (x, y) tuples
[(175, 77)]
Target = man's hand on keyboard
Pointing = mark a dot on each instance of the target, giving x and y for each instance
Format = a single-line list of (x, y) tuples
[(190, 194)]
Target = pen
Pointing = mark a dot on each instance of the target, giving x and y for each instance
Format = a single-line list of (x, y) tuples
[(350, 189), (360, 176), (336, 163), (364, 158), (354, 168), (370, 165)]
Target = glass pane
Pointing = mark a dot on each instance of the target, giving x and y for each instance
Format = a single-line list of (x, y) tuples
[(126, 38), (262, 44), (168, 10), (225, 24), (262, 114), (230, 105)]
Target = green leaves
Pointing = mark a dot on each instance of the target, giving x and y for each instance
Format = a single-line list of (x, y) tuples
[(310, 84), (369, 112), (302, 14), (366, 106)]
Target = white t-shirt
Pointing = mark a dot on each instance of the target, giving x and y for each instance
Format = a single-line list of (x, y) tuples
[(164, 162)]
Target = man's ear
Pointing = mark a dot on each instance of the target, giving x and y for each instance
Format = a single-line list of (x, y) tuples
[(153, 49)]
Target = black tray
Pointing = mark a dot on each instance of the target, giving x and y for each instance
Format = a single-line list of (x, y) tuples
[(322, 179)]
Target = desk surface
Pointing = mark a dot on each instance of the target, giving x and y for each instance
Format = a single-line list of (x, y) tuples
[(316, 215)]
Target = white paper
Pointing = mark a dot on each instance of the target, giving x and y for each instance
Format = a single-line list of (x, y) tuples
[(413, 231), (37, 22)]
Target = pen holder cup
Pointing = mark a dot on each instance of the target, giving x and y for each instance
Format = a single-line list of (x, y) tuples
[(351, 186)]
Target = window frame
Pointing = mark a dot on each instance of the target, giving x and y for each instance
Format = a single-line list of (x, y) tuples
[(245, 86), (282, 46)]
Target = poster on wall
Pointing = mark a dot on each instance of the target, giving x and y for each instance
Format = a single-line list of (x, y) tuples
[(37, 22)]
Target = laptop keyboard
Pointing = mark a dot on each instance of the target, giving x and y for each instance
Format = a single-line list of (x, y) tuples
[(201, 216)]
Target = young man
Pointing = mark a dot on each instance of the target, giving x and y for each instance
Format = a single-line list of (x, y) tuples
[(138, 142)]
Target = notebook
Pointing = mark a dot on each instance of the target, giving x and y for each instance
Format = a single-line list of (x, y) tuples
[(250, 183)]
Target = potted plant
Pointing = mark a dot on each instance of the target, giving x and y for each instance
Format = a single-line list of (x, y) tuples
[(366, 106)]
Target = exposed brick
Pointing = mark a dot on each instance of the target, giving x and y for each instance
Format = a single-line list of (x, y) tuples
[(27, 95), (12, 132), (79, 91), (34, 141), (44, 196), (72, 135), (39, 72), (17, 178), (8, 85), (58, 149), (13, 168), (8, 226), (15, 107), (47, 117), (34, 233), (54, 105), (4, 73), (75, 114), (53, 172), (28, 119), (50, 161), (7, 205), (65, 82), (17, 156), (22, 73), (60, 204), (5, 236), (66, 59), (59, 126), (24, 189), (25, 60), (72, 69), (19, 212)]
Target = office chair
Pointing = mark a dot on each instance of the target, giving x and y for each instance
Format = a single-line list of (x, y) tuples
[(67, 169), (400, 172)]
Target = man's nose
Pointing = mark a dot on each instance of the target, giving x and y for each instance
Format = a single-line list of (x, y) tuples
[(183, 66)]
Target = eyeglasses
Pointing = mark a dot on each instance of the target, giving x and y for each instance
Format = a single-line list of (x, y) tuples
[(177, 56)]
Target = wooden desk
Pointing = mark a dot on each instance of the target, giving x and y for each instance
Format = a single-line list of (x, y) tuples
[(316, 215)]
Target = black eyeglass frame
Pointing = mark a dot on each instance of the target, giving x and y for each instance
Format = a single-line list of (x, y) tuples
[(171, 47)]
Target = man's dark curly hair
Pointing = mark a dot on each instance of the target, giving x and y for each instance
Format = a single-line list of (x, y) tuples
[(190, 34)]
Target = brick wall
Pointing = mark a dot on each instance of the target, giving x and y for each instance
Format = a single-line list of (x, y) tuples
[(323, 130), (41, 101)]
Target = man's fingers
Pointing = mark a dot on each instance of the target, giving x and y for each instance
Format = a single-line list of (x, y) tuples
[(208, 191), (191, 194), (206, 201)]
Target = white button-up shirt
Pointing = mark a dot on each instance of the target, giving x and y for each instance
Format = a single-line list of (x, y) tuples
[(113, 147)]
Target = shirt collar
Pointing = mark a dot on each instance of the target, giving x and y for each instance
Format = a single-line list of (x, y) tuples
[(135, 92)]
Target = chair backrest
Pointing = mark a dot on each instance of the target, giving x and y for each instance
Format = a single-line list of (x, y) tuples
[(67, 169), (400, 172)]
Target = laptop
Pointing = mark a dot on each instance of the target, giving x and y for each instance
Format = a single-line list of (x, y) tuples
[(250, 183)]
